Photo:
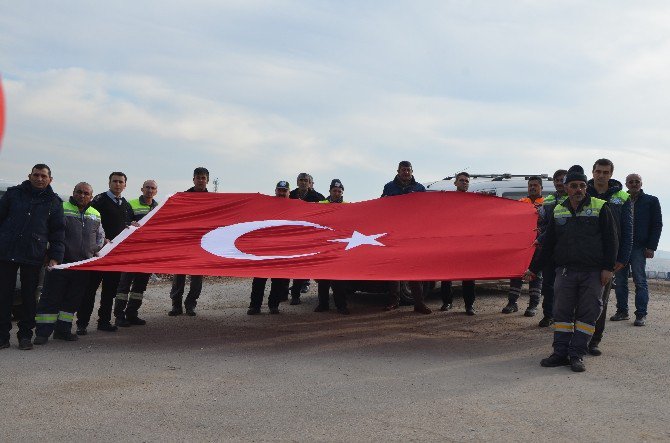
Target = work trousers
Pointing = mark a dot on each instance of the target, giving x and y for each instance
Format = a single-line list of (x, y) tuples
[(548, 277), (534, 290), (600, 323), (468, 289), (29, 275), (278, 292), (577, 305), (135, 282), (61, 296), (339, 293), (194, 290), (415, 287), (110, 282), (638, 263)]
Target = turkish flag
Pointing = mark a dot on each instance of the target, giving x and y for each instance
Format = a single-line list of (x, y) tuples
[(420, 236)]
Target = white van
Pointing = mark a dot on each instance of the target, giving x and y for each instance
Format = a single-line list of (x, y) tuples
[(502, 185)]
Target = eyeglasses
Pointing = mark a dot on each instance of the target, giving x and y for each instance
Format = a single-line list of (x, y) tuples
[(577, 186)]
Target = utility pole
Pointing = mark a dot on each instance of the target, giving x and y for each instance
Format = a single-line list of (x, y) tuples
[(216, 184)]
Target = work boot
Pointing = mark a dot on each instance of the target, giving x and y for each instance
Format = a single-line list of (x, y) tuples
[(25, 344), (106, 326), (445, 307), (40, 340), (305, 288), (619, 315), (67, 336), (554, 360), (511, 307), (81, 330), (253, 311), (135, 320), (121, 322), (469, 310), (422, 309), (594, 350), (274, 310), (530, 311), (176, 310), (120, 305), (190, 311), (295, 300), (640, 320), (546, 322), (4, 344), (577, 364)]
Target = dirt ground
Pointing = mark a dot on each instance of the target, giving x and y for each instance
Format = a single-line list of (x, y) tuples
[(370, 376)]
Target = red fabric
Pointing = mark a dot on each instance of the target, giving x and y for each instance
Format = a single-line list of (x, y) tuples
[(427, 236)]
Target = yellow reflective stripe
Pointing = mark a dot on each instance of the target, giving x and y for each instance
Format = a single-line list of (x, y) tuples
[(135, 296), (585, 328), (46, 318), (66, 316), (121, 296), (564, 326)]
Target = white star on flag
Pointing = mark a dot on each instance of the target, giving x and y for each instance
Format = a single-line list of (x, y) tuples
[(358, 239)]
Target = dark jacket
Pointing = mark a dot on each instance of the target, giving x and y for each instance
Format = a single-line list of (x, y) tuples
[(29, 220), (84, 235), (620, 205), (648, 221), (396, 187), (582, 240), (192, 189), (115, 217), (312, 196)]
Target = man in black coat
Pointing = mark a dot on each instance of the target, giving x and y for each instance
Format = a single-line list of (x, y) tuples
[(31, 217)]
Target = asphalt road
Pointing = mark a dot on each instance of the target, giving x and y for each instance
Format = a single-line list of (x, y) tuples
[(303, 376)]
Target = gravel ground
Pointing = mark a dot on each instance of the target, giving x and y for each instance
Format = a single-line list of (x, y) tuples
[(370, 376)]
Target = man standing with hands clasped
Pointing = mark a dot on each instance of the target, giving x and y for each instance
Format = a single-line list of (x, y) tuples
[(582, 240)]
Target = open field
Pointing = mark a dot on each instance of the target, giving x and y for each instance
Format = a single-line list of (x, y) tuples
[(370, 376)]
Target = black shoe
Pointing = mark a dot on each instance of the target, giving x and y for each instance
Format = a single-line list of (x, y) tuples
[(81, 330), (640, 320), (4, 344), (577, 364), (511, 307), (619, 316), (421, 308), (344, 311), (121, 322), (253, 311), (554, 360), (320, 308), (274, 310), (176, 310), (107, 326), (530, 311), (546, 322), (136, 321), (305, 288), (469, 310), (190, 311), (25, 344), (295, 300), (445, 307), (40, 340), (67, 336), (595, 350)]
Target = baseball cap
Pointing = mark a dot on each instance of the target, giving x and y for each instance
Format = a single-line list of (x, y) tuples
[(283, 185)]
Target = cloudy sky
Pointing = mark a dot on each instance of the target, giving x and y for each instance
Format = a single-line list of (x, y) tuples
[(258, 91)]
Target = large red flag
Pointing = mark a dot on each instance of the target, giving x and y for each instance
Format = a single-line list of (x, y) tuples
[(421, 236)]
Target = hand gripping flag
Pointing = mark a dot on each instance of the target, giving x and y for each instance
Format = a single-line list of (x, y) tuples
[(421, 236)]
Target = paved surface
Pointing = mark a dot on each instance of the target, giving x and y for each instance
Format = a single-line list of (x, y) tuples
[(302, 376)]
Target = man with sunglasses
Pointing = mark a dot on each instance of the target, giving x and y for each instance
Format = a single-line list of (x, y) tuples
[(581, 239), (646, 234), (604, 187)]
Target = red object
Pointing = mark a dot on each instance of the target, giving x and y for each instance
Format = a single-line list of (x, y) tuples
[(421, 236), (2, 113)]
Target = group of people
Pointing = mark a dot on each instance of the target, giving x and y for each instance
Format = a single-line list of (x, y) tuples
[(589, 231)]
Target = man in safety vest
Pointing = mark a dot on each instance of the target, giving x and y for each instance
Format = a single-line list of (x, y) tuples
[(132, 285), (582, 241), (63, 288), (336, 195), (534, 286)]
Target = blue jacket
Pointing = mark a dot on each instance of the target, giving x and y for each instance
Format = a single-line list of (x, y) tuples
[(29, 220), (396, 187), (620, 205), (648, 221)]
